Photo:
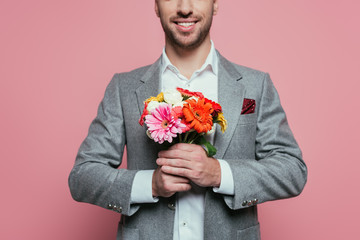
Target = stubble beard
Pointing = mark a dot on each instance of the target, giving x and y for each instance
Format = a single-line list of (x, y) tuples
[(179, 39)]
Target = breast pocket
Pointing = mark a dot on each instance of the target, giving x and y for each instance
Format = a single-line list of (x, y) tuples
[(247, 119), (242, 144)]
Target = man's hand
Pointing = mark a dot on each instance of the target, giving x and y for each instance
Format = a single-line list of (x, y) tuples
[(166, 185), (190, 161)]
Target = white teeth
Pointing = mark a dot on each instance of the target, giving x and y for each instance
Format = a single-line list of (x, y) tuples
[(186, 24)]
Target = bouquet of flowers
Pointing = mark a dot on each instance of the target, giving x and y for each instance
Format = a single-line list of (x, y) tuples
[(183, 114)]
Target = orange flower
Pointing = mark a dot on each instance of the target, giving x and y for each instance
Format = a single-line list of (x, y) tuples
[(198, 114)]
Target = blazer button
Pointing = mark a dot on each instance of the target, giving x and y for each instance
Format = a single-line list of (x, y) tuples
[(244, 203), (109, 206), (171, 205), (250, 203), (119, 209)]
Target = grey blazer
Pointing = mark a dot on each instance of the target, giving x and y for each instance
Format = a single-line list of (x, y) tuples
[(263, 155)]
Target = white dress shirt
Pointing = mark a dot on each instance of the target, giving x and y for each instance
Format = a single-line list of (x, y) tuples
[(189, 211)]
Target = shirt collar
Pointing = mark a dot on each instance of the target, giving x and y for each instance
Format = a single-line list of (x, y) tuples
[(211, 61)]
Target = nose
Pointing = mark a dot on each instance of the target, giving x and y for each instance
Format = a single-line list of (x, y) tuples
[(185, 8)]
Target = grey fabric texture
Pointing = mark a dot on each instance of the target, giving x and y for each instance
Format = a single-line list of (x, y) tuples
[(265, 160)]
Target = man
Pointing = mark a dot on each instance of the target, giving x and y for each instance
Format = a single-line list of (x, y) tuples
[(177, 192)]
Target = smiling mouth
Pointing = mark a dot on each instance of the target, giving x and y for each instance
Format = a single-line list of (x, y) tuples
[(185, 24)]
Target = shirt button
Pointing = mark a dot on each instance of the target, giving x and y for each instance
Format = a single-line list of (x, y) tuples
[(184, 224)]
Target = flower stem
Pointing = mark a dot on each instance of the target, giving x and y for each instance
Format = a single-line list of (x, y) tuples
[(186, 136), (197, 135)]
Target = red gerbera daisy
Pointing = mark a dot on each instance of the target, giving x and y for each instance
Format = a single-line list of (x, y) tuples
[(188, 93), (217, 108), (145, 112)]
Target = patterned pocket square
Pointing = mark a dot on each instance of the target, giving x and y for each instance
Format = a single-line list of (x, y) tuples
[(248, 106)]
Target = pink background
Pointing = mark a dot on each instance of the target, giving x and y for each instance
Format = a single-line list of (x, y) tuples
[(58, 56)]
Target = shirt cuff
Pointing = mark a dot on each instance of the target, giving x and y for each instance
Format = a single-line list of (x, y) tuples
[(141, 191), (227, 180)]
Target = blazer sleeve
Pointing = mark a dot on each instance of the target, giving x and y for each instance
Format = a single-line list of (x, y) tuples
[(95, 178), (278, 170)]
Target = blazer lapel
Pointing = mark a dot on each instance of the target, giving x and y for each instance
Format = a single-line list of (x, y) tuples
[(231, 94), (150, 84)]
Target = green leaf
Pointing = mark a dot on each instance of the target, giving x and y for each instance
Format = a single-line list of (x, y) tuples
[(208, 147)]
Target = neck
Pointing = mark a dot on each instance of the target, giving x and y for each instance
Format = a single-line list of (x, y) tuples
[(188, 60)]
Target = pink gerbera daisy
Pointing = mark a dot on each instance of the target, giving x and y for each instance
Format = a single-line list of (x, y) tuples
[(163, 126)]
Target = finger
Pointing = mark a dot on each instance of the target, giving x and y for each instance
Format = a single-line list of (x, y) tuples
[(182, 187), (176, 187), (182, 172), (175, 153), (173, 178), (184, 147), (179, 163), (171, 187)]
